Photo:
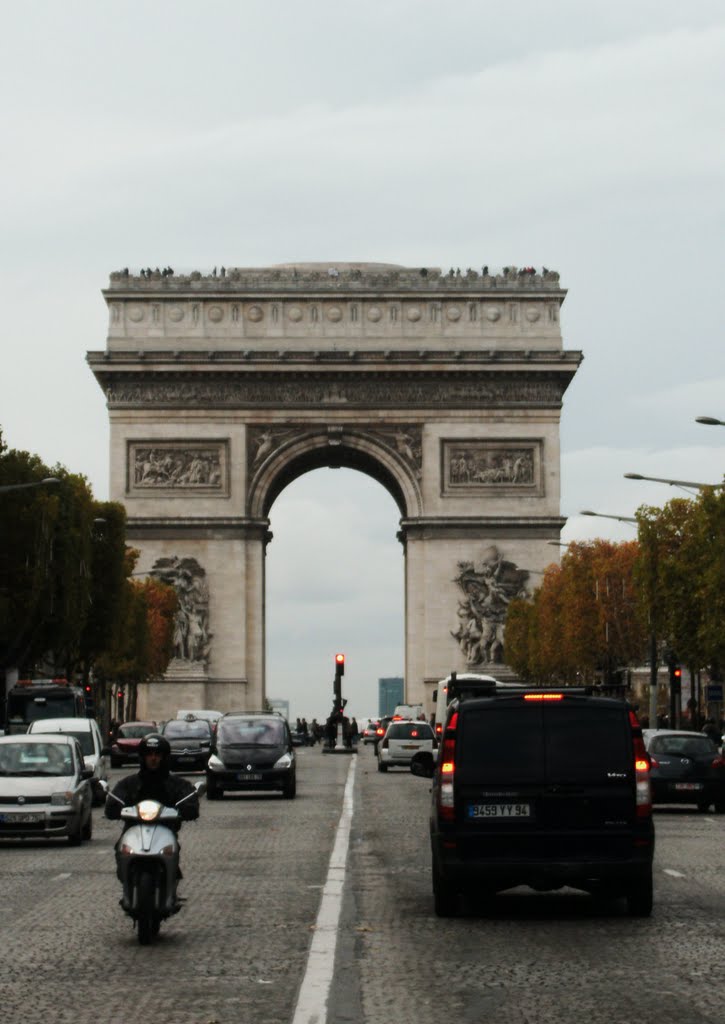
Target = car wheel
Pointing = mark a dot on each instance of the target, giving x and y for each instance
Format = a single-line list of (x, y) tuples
[(87, 830), (703, 806), (445, 896), (76, 838), (289, 790), (640, 897), (382, 767), (720, 807)]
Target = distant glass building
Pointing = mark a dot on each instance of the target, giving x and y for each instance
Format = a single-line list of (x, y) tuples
[(390, 694)]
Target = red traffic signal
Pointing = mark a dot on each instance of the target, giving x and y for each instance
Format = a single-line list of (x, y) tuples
[(340, 664), (88, 687)]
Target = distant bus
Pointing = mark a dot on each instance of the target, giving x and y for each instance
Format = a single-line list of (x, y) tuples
[(32, 699), (463, 684)]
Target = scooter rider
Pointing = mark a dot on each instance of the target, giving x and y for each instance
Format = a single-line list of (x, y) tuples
[(154, 781)]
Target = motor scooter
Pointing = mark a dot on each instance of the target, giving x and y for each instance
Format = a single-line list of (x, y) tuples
[(147, 862)]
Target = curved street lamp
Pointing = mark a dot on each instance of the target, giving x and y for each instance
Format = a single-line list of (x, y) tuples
[(672, 483), (47, 481), (710, 421), (604, 515)]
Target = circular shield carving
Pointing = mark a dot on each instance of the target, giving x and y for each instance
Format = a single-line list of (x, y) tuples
[(135, 313), (294, 313), (334, 313), (413, 313), (176, 313), (532, 314), (493, 313), (453, 313), (216, 314), (255, 314), (375, 313)]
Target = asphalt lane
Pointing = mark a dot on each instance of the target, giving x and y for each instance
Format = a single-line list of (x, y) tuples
[(254, 868)]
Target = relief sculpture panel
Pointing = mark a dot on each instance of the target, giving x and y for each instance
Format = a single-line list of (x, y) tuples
[(487, 592), (196, 467), (192, 639), (511, 467)]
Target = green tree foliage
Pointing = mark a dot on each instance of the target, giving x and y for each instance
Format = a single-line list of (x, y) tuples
[(681, 574), (62, 566)]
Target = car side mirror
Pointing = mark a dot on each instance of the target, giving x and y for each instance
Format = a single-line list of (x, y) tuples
[(87, 773), (423, 765)]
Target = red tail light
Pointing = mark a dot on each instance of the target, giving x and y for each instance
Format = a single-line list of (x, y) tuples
[(380, 732), (543, 696), (642, 764), (439, 729), (719, 762), (446, 793), (413, 733)]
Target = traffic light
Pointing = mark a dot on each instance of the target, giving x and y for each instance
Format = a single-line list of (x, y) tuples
[(88, 699), (339, 664), (676, 679), (119, 705)]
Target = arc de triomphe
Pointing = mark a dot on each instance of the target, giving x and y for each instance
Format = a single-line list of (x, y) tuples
[(223, 388)]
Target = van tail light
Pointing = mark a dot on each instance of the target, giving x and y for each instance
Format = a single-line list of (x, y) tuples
[(642, 764), (446, 779), (439, 730), (380, 732), (719, 762)]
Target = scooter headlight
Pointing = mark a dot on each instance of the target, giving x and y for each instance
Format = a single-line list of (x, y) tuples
[(149, 810)]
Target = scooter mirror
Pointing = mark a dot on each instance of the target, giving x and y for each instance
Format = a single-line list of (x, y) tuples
[(200, 788)]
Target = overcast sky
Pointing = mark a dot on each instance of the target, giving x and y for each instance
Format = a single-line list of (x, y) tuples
[(584, 137)]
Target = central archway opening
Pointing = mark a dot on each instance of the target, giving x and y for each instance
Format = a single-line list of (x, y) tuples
[(334, 583)]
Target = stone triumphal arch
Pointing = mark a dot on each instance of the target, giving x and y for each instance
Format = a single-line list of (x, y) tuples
[(223, 388)]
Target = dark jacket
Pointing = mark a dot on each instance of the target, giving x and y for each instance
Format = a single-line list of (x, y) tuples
[(168, 789)]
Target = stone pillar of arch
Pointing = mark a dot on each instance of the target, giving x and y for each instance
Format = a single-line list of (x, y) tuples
[(223, 388)]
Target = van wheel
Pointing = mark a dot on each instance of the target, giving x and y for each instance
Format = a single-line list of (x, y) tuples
[(720, 807), (640, 897), (87, 830), (703, 806), (445, 897), (382, 767), (289, 790), (76, 838)]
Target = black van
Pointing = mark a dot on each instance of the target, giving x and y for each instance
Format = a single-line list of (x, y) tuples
[(541, 788)]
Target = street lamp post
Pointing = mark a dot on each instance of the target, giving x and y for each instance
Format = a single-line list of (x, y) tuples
[(673, 483), (46, 482), (710, 421)]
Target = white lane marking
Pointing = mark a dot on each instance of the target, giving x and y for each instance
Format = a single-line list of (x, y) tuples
[(315, 988), (59, 878), (710, 820), (675, 874)]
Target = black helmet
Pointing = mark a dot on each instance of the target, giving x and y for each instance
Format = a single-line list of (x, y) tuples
[(153, 743)]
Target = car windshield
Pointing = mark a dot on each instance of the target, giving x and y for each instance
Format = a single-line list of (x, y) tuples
[(251, 732), (35, 759), (685, 746), (194, 730), (135, 732)]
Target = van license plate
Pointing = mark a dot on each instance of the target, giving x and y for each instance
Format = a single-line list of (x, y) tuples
[(688, 785), (20, 818), (499, 810), (247, 777)]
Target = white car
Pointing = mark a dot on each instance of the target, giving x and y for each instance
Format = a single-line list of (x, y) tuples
[(95, 755), (45, 790), (402, 741)]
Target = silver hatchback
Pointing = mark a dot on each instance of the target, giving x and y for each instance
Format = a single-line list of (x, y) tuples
[(45, 789)]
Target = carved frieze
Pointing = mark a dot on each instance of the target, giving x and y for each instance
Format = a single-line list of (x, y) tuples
[(192, 639), (497, 467), (193, 467), (473, 390), (482, 611)]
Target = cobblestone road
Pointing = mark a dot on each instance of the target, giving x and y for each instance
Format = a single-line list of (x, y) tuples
[(254, 868)]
